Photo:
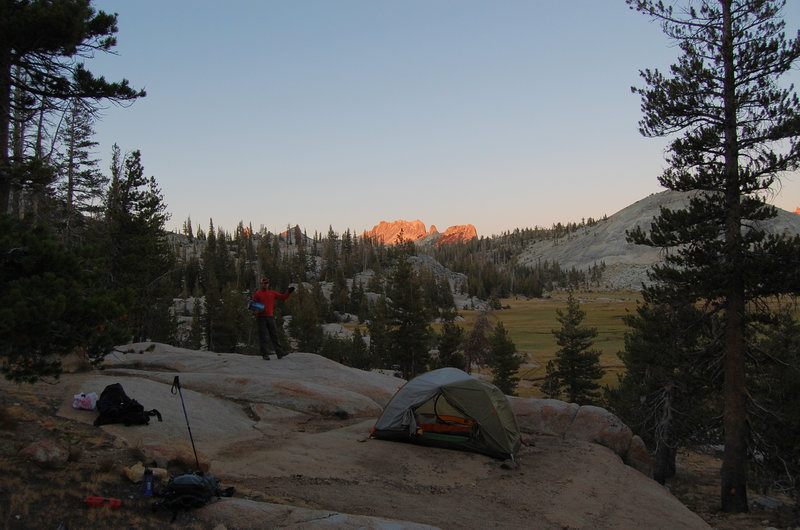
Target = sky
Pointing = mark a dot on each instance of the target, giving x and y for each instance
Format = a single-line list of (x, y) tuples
[(340, 114)]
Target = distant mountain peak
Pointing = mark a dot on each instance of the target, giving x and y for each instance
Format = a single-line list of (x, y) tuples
[(389, 233)]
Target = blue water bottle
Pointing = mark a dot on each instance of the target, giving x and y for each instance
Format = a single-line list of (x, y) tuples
[(147, 482)]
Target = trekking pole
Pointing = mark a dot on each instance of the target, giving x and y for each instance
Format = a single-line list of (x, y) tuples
[(177, 384)]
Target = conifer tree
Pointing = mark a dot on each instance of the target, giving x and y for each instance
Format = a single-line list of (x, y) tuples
[(378, 328), (330, 255), (340, 295), (451, 341), (774, 384), (139, 255), (358, 356), (576, 368), (504, 360), (357, 304), (53, 299), (187, 229), (477, 346), (82, 184), (40, 63), (739, 131), (669, 390), (306, 319), (195, 338), (408, 320)]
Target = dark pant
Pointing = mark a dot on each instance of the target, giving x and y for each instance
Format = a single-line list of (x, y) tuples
[(267, 325)]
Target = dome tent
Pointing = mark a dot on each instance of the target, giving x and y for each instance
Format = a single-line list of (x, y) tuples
[(449, 408)]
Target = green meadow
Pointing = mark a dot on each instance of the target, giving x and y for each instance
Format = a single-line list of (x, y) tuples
[(530, 323)]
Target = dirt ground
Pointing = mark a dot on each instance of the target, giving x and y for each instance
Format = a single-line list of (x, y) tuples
[(443, 488)]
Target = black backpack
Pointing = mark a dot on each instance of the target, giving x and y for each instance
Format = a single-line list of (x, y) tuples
[(189, 491), (115, 406)]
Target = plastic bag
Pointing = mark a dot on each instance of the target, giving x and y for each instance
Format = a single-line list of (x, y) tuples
[(85, 401)]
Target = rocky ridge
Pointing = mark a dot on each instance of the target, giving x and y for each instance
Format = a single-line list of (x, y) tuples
[(415, 231), (604, 242)]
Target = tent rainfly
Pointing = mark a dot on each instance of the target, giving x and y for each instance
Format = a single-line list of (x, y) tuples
[(449, 408)]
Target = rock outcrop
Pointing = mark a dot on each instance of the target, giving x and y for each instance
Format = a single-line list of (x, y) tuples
[(295, 434), (415, 231), (591, 424), (605, 242), (457, 234), (388, 233)]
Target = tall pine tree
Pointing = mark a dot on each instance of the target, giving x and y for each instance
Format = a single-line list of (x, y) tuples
[(139, 255), (739, 130)]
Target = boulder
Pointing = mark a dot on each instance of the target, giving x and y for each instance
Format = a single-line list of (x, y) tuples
[(638, 457), (543, 416), (552, 417), (596, 424), (47, 454)]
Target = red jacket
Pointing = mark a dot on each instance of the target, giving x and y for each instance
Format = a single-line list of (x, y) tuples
[(268, 297)]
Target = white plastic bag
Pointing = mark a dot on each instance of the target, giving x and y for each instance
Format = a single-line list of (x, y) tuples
[(85, 401)]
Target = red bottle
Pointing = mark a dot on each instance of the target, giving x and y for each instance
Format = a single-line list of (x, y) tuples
[(114, 504)]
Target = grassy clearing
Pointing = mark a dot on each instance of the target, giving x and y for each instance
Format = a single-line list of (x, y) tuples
[(530, 324)]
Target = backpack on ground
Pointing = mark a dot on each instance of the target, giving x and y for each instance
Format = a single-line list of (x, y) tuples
[(189, 491), (115, 406)]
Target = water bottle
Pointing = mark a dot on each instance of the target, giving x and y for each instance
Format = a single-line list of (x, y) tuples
[(147, 482)]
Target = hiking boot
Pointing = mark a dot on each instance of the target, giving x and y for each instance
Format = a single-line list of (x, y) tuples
[(265, 357)]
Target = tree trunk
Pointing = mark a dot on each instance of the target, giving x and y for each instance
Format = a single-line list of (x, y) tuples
[(734, 465), (5, 120), (664, 457), (664, 462)]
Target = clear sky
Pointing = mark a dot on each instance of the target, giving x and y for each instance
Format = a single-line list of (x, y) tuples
[(344, 113)]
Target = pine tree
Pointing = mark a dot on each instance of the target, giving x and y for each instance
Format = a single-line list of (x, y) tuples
[(739, 132), (357, 304), (503, 360), (378, 328), (359, 356), (774, 384), (305, 326), (551, 386), (577, 367), (52, 300), (340, 295), (477, 346), (451, 341), (40, 65), (195, 339), (668, 391), (408, 320), (139, 255), (82, 185)]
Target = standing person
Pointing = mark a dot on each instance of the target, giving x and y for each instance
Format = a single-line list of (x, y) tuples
[(266, 320)]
